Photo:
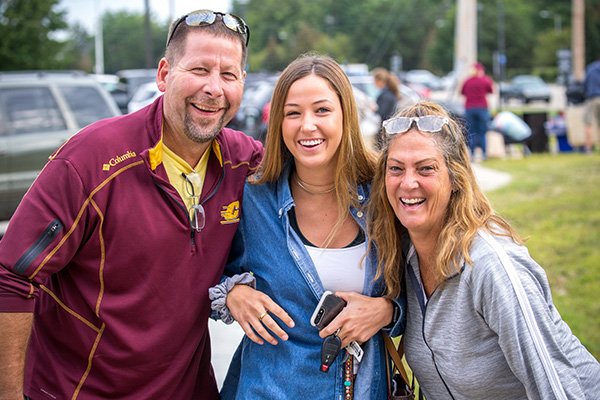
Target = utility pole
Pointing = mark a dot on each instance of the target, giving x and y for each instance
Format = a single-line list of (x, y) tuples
[(465, 38), (575, 126), (172, 15), (578, 38), (501, 54), (148, 35), (99, 40)]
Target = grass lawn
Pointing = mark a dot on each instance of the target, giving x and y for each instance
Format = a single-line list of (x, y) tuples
[(554, 202)]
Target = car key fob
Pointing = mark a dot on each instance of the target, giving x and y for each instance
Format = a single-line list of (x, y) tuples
[(329, 350)]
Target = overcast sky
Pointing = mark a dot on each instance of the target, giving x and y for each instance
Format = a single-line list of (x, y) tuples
[(84, 11)]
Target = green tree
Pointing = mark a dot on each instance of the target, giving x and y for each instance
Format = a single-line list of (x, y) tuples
[(124, 40), (592, 30), (290, 28), (422, 32), (545, 59), (78, 50), (26, 29), (376, 29)]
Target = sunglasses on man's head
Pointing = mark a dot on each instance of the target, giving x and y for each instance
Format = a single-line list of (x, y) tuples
[(208, 17), (427, 123)]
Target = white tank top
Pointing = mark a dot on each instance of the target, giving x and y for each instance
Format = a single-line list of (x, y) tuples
[(340, 269)]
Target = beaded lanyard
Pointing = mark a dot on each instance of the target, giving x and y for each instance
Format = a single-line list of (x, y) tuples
[(349, 377)]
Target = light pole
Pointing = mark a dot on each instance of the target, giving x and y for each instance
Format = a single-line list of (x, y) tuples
[(465, 38), (578, 38), (99, 40), (172, 11), (501, 56), (148, 35)]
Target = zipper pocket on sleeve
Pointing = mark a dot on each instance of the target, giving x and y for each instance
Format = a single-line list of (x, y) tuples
[(40, 244)]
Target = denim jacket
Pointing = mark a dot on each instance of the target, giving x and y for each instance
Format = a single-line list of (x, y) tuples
[(270, 249)]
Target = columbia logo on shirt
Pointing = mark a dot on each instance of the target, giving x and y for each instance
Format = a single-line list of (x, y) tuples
[(113, 162)]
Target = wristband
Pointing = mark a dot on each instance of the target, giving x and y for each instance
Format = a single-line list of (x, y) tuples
[(395, 315)]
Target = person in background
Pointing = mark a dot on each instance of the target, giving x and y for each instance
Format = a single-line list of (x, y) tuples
[(388, 98), (475, 90), (303, 232), (556, 126), (106, 265), (264, 120), (592, 105), (466, 336)]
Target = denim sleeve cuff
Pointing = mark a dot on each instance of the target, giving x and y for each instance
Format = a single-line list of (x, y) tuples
[(396, 328), (218, 295)]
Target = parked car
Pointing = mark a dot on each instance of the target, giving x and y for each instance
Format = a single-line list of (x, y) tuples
[(252, 116), (145, 94), (526, 88), (423, 77), (131, 80), (366, 84), (355, 69), (109, 82), (39, 111), (116, 88), (369, 120), (450, 80)]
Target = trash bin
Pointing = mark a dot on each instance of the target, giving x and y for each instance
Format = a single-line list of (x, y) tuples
[(563, 144), (557, 126), (538, 141)]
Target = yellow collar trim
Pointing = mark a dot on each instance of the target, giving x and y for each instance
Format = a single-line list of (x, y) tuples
[(155, 154), (217, 150)]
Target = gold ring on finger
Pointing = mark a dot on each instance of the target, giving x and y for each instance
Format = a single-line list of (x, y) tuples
[(263, 315)]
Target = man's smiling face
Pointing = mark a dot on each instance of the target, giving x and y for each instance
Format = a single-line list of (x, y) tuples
[(203, 89)]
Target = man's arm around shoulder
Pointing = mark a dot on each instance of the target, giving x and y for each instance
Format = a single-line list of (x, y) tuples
[(15, 329)]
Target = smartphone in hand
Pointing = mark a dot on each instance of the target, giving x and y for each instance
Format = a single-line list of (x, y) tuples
[(328, 308)]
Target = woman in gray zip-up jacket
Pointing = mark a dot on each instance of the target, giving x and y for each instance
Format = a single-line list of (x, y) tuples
[(466, 336)]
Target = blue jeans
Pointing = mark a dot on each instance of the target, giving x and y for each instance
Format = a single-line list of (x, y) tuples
[(477, 124)]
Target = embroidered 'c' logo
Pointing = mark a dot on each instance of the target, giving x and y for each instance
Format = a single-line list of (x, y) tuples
[(230, 213)]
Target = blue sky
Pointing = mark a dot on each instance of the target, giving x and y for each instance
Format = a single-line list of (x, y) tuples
[(85, 11)]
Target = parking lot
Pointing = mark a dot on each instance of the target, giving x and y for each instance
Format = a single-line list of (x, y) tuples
[(558, 100)]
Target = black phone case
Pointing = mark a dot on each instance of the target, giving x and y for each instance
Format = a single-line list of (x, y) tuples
[(329, 308)]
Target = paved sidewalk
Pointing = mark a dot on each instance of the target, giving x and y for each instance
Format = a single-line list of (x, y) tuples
[(490, 179), (225, 338)]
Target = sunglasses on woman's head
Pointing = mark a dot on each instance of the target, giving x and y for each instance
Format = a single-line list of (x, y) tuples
[(208, 17), (427, 123)]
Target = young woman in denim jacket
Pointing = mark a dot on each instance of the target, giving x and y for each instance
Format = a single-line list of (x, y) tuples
[(301, 233)]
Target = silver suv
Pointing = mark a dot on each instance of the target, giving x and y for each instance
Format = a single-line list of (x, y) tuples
[(39, 111)]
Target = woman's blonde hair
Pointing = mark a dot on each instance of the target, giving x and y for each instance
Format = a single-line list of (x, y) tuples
[(468, 209), (355, 162)]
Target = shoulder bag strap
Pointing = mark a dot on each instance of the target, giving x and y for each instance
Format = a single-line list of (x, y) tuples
[(532, 326), (396, 354)]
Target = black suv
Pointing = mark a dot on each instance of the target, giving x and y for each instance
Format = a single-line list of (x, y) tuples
[(39, 111)]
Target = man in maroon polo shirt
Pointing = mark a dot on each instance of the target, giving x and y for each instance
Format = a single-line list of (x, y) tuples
[(106, 264)]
